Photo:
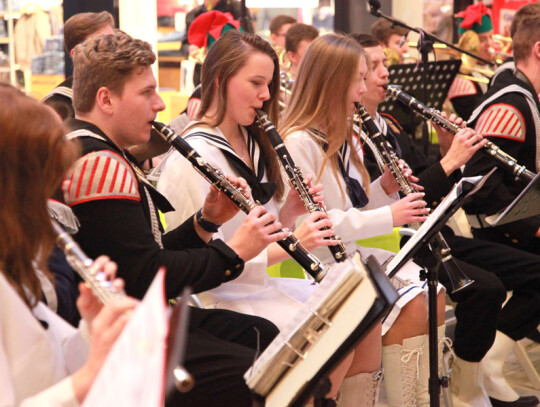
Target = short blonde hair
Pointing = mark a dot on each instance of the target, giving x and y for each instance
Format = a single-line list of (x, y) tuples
[(106, 61)]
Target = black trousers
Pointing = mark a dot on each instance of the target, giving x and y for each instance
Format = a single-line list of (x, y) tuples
[(496, 269), (506, 235), (221, 347), (477, 310)]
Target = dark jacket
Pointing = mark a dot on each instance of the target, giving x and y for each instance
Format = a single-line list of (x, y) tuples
[(118, 212)]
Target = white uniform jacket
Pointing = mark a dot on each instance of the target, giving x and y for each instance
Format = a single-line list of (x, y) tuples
[(253, 292), (35, 363)]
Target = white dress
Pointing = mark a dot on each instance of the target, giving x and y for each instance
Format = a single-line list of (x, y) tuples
[(35, 363), (351, 223), (254, 292)]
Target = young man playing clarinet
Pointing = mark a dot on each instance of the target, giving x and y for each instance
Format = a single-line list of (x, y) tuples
[(510, 269), (115, 101)]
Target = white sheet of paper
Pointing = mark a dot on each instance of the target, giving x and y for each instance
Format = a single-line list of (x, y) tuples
[(133, 374)]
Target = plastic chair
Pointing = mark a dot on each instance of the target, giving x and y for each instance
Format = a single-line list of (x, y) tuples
[(287, 268), (388, 242)]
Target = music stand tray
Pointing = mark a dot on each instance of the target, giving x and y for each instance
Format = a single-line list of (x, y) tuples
[(526, 204), (441, 74), (440, 216)]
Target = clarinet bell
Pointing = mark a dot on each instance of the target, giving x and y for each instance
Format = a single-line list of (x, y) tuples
[(458, 279)]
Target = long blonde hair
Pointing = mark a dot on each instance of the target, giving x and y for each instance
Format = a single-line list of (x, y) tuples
[(319, 97)]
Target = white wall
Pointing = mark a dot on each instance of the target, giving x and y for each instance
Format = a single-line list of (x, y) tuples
[(138, 18)]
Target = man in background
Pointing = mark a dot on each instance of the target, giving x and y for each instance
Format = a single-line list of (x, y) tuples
[(77, 29)]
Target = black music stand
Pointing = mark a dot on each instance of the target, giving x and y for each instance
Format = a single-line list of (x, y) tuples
[(409, 77), (426, 252), (318, 386), (176, 377), (526, 204)]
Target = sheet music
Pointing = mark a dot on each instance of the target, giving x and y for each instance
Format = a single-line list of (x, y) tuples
[(340, 281), (522, 207), (456, 193)]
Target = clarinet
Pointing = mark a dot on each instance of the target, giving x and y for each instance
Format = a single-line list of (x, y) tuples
[(297, 179), (491, 150), (290, 244), (82, 264), (390, 159)]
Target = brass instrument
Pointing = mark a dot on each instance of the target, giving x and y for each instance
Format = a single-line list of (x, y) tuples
[(198, 55), (297, 179), (284, 62), (392, 57), (286, 82), (503, 47), (469, 42)]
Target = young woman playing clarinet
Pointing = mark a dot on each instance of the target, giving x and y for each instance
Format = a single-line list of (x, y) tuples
[(241, 74), (43, 359), (317, 127)]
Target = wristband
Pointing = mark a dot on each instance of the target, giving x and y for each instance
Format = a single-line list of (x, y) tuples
[(206, 225)]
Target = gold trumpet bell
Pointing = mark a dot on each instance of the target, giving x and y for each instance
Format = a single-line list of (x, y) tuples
[(392, 57), (281, 53)]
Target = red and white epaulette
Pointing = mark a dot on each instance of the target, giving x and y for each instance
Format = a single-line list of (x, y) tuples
[(501, 120), (193, 107), (461, 87), (392, 122), (100, 175)]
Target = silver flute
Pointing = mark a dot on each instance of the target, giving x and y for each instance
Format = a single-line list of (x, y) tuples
[(506, 161), (103, 288), (83, 265), (339, 252)]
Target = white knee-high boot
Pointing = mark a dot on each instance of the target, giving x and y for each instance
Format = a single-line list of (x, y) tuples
[(492, 364), (361, 390), (422, 386), (401, 365), (466, 384)]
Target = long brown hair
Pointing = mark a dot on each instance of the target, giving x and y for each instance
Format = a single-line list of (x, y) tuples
[(319, 97), (34, 156), (224, 59)]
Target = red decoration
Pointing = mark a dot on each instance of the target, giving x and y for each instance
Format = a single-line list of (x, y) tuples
[(209, 23), (473, 14)]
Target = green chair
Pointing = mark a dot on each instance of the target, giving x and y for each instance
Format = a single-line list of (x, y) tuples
[(388, 242), (291, 269), (287, 268)]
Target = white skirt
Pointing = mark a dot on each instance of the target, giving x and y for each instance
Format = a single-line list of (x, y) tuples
[(408, 283)]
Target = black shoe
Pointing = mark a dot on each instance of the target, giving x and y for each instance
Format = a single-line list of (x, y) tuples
[(524, 401)]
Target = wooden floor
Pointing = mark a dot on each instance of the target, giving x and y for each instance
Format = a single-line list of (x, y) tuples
[(513, 371)]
